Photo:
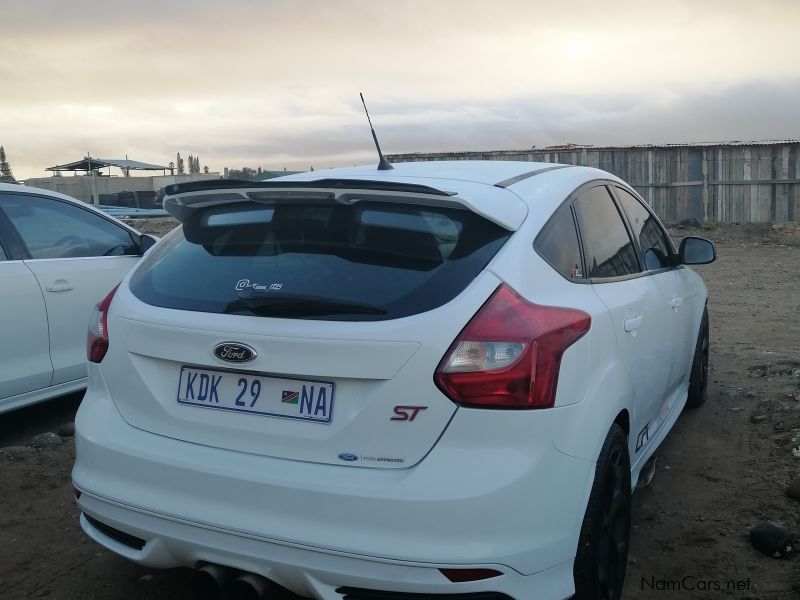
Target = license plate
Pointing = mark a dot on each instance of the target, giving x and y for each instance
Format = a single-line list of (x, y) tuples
[(256, 394)]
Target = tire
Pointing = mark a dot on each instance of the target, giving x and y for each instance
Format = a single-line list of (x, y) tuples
[(602, 555), (698, 380)]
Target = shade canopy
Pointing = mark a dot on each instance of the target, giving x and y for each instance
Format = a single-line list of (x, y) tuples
[(89, 164)]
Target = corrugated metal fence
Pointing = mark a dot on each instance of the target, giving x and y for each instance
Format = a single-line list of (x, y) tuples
[(735, 182)]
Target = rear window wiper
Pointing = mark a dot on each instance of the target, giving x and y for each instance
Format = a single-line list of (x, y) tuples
[(271, 305)]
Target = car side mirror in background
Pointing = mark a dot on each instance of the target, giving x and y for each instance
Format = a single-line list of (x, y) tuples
[(697, 251), (147, 241)]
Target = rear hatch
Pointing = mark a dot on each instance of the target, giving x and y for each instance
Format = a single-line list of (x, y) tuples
[(301, 323)]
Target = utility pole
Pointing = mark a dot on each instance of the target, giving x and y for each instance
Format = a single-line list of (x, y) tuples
[(92, 182)]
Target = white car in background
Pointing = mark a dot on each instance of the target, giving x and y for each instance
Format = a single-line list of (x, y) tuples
[(58, 257), (438, 381)]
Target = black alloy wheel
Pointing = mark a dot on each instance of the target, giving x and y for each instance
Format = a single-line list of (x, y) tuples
[(698, 380), (602, 554)]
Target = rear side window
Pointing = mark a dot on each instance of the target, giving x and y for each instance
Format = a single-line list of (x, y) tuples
[(558, 244), (653, 240), (329, 261), (607, 246)]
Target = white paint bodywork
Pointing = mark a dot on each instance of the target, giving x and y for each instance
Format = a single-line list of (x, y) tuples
[(46, 304), (505, 490)]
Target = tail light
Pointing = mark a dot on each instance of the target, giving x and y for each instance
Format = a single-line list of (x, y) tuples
[(509, 354), (97, 338)]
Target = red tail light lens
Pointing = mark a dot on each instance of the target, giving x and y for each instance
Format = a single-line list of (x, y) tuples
[(509, 355), (97, 338)]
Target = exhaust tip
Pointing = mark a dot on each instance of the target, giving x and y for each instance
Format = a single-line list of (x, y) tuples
[(209, 582), (647, 473), (250, 586)]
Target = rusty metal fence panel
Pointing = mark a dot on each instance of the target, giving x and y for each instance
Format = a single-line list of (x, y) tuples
[(735, 182)]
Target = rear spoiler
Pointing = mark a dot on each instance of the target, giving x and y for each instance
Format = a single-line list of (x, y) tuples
[(331, 184), (186, 199)]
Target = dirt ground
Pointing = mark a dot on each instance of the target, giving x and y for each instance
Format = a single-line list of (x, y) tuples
[(722, 470)]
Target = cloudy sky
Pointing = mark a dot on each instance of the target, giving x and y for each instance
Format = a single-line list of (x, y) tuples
[(274, 83)]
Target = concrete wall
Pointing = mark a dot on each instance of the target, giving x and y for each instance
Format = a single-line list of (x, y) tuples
[(85, 188), (730, 183)]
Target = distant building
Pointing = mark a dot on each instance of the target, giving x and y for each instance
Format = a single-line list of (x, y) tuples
[(264, 175), (259, 174)]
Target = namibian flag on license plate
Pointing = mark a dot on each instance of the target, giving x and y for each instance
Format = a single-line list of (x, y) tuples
[(290, 397)]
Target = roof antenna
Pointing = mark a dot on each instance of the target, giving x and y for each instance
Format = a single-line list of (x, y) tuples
[(383, 164)]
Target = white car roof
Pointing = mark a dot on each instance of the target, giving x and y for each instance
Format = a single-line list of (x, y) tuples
[(488, 172), (503, 191)]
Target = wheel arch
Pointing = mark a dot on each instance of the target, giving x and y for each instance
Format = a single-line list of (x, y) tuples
[(623, 419)]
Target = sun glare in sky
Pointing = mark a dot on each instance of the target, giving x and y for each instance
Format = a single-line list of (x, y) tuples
[(577, 47)]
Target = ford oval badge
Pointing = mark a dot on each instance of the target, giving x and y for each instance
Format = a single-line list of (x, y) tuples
[(348, 457), (234, 352)]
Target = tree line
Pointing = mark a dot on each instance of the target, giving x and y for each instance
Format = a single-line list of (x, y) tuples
[(6, 176), (194, 165)]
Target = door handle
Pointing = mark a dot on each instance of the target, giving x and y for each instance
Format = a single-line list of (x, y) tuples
[(60, 285), (675, 302), (634, 323)]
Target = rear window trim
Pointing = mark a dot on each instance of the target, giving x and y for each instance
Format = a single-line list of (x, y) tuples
[(570, 199)]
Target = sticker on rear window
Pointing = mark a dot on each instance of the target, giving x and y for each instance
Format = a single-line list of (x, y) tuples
[(246, 284)]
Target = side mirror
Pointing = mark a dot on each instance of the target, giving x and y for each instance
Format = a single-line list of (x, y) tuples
[(146, 242), (697, 251)]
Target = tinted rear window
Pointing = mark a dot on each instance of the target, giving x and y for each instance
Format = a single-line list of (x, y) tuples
[(607, 247), (365, 261), (558, 244)]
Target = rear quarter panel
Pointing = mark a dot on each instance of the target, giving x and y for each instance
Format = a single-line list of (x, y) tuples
[(593, 386)]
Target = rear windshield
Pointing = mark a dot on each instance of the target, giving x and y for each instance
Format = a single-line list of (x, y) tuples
[(328, 261)]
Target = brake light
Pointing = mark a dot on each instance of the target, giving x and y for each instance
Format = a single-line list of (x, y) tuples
[(97, 338), (509, 354)]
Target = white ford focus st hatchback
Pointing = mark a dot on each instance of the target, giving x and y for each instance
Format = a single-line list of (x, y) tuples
[(438, 381)]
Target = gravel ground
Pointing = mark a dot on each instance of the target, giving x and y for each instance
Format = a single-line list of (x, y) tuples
[(722, 470)]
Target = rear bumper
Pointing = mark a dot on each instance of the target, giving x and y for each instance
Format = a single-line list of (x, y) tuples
[(305, 571), (473, 502)]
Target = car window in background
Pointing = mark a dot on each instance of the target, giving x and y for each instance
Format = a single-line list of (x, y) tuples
[(653, 240), (558, 244), (54, 229), (2, 253), (607, 246)]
